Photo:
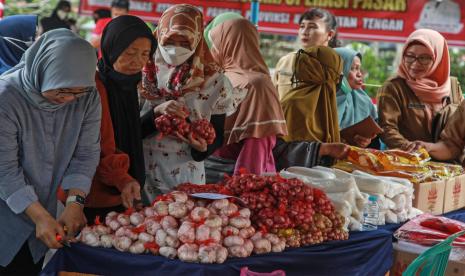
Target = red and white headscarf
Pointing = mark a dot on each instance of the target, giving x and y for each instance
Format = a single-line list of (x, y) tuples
[(187, 21)]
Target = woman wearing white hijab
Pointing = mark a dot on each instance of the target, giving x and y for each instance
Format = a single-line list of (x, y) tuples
[(50, 118)]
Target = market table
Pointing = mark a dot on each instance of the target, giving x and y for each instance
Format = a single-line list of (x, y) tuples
[(365, 253)]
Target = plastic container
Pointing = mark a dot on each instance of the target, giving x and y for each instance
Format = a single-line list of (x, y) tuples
[(371, 214)]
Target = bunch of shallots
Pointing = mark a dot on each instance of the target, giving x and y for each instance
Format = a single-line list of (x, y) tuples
[(288, 206), (172, 125), (175, 125), (204, 129), (192, 230)]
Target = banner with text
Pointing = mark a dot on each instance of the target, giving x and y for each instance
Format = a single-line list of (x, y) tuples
[(380, 20)]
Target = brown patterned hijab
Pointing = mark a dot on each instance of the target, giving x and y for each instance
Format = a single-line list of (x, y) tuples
[(187, 21)]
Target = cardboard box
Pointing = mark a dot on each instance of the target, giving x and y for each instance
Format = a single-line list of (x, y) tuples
[(454, 194), (405, 253), (429, 197)]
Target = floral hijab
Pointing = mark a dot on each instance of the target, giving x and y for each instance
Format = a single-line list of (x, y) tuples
[(192, 75)]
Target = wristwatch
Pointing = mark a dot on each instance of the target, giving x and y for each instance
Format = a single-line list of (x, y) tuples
[(76, 199)]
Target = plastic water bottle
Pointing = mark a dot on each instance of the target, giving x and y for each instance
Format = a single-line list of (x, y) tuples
[(371, 214)]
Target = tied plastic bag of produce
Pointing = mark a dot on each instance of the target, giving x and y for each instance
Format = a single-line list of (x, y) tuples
[(327, 179), (340, 188), (428, 230)]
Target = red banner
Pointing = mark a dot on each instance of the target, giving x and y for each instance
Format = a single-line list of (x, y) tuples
[(2, 7), (380, 20)]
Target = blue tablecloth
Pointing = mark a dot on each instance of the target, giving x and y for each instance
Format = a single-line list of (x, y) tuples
[(457, 215), (365, 253)]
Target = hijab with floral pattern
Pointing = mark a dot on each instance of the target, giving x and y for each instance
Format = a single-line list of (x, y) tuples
[(186, 21)]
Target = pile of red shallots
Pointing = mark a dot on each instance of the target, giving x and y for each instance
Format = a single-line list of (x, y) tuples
[(204, 129), (191, 229), (172, 125), (287, 207)]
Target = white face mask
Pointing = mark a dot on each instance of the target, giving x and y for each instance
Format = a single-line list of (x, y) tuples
[(62, 14), (175, 55)]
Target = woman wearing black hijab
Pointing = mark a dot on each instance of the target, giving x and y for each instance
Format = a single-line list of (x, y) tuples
[(59, 18), (127, 44)]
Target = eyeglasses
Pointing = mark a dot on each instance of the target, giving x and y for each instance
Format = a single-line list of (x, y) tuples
[(423, 60), (16, 42), (64, 92)]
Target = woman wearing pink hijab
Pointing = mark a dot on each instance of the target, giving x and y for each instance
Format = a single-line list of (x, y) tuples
[(410, 102), (250, 133)]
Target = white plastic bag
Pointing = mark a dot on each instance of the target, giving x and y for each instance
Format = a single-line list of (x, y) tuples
[(355, 225), (369, 184), (385, 203), (342, 205), (391, 217), (400, 202), (378, 185), (312, 173), (402, 216), (413, 213)]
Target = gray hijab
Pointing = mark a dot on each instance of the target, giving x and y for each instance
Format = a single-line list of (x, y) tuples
[(58, 59)]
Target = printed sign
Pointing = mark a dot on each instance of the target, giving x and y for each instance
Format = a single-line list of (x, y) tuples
[(214, 196), (380, 20)]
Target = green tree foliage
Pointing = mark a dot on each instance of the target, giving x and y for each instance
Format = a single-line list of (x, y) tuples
[(457, 66), (44, 8), (39, 7), (377, 65)]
